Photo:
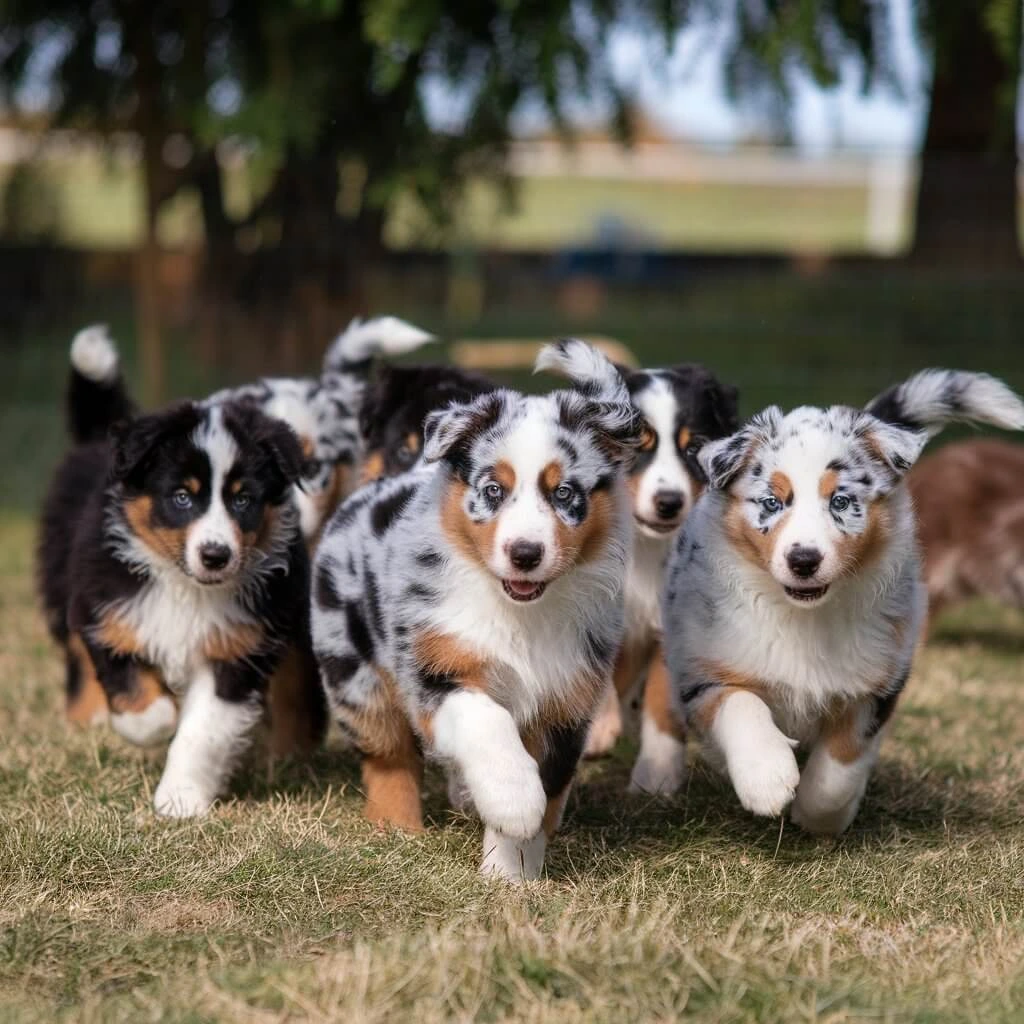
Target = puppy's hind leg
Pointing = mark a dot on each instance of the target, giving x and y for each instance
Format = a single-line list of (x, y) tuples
[(661, 765)]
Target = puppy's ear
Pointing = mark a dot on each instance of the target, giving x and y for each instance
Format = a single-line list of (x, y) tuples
[(723, 404), (138, 440), (892, 449), (722, 460), (277, 442), (447, 432)]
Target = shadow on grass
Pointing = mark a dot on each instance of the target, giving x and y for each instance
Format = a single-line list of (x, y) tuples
[(993, 638)]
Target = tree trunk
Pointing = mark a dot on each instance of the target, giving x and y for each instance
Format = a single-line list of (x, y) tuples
[(967, 197)]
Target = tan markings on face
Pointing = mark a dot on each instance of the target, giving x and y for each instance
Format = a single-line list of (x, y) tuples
[(730, 681), (648, 438), (192, 485), (551, 476), (827, 484), (781, 486), (293, 719), (583, 543), (684, 438), (372, 467), (164, 541), (147, 686), (89, 699), (474, 541), (412, 441), (235, 643), (749, 542), (234, 487), (858, 551), (658, 699), (441, 653), (504, 474)]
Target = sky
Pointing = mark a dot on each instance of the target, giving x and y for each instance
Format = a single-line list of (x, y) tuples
[(687, 97)]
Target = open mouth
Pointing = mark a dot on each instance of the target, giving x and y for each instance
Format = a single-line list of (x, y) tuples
[(523, 590), (661, 527), (806, 595)]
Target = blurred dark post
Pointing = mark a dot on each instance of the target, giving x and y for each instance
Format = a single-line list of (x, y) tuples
[(141, 44), (967, 198)]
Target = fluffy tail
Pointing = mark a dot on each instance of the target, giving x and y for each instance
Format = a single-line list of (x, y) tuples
[(96, 397), (595, 377), (354, 350), (933, 398)]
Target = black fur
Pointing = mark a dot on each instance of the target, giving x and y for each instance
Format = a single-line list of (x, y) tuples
[(399, 399)]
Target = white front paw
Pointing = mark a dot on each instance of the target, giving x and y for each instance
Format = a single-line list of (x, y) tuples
[(766, 782), (182, 800), (513, 861), (151, 726), (509, 796)]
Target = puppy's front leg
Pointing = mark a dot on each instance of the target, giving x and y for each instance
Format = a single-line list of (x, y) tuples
[(503, 780), (837, 772), (758, 756), (221, 707)]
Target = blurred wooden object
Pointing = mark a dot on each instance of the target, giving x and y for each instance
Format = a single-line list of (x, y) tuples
[(520, 353)]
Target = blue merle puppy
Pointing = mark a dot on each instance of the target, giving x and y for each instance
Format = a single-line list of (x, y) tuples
[(470, 611)]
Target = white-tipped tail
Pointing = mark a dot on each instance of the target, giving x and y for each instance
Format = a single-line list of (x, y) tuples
[(362, 340), (932, 398), (94, 354), (589, 369)]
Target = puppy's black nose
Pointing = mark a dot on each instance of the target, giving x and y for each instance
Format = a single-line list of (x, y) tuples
[(668, 504), (214, 556), (803, 562), (525, 554)]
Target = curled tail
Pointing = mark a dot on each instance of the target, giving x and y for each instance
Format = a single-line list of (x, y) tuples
[(354, 350), (931, 399), (96, 396), (596, 379)]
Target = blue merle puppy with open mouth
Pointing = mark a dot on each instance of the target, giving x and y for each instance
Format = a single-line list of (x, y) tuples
[(470, 611)]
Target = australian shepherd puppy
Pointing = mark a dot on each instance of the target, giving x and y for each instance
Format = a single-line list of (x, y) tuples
[(470, 611), (395, 407), (172, 567), (794, 599), (969, 498), (681, 408)]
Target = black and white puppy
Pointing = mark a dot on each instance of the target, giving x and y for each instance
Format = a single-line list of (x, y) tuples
[(172, 565), (395, 407), (682, 407), (794, 598), (470, 610)]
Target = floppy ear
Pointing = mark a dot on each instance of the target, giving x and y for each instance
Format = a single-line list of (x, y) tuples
[(892, 449), (136, 441), (722, 460), (444, 428), (276, 441), (723, 401)]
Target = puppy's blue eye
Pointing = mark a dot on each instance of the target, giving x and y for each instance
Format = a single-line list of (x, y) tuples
[(839, 503), (494, 491), (240, 501), (771, 504), (563, 492), (182, 498)]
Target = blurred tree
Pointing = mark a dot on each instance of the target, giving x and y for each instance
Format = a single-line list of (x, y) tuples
[(329, 95), (966, 209)]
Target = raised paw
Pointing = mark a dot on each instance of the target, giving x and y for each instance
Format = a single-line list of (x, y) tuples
[(508, 795), (766, 782)]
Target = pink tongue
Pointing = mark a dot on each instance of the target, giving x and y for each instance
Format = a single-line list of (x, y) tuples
[(522, 587)]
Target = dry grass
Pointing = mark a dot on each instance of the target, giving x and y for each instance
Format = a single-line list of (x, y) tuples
[(285, 906)]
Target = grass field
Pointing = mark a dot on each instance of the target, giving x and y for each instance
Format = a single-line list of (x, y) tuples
[(284, 905)]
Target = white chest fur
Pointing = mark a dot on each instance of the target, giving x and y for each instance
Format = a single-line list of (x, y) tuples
[(175, 620), (537, 653), (643, 585)]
